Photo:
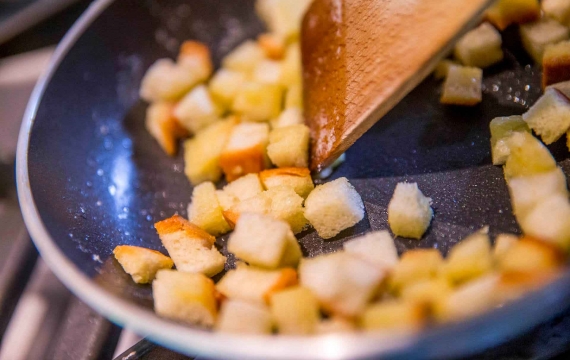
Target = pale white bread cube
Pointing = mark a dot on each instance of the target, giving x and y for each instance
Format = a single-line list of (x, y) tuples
[(333, 207), (191, 248), (289, 116), (335, 325), (377, 248), (256, 101), (409, 211), (259, 204), (291, 71), (536, 35), (205, 211), (272, 45), (242, 189), (244, 58), (503, 243), (414, 266), (528, 156), (224, 86), (255, 285), (295, 311), (559, 10), (501, 130), (141, 263), (528, 191), (261, 240), (164, 127), (196, 110), (242, 317), (245, 151), (187, 297), (268, 72), (563, 87), (298, 179), (289, 146), (202, 152), (283, 17), (342, 283), (549, 221), (529, 255), (480, 47), (195, 56), (505, 12), (549, 117), (468, 259), (167, 81), (294, 96), (442, 68), (462, 86), (393, 315)]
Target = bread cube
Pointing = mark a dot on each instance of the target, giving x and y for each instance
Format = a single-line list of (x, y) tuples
[(245, 150), (298, 179), (333, 207), (559, 10), (164, 127), (468, 259), (501, 129), (342, 283), (430, 293), (289, 146), (513, 285), (415, 265), (562, 87), (259, 204), (294, 97), (506, 12), (258, 101), (267, 72), (549, 221), (202, 153), (409, 211), (205, 210), (470, 299), (335, 325), (196, 110), (283, 17), (255, 285), (528, 156), (241, 317), (195, 56), (442, 68), (288, 117), (244, 58), (185, 297), (141, 263), (376, 247), (530, 255), (462, 86), (291, 71), (239, 190), (480, 47), (549, 117), (295, 311), (528, 191), (536, 35), (503, 242), (556, 63), (273, 46), (166, 81), (224, 86), (393, 315)]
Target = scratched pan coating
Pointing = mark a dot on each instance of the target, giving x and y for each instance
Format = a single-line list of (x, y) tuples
[(99, 180)]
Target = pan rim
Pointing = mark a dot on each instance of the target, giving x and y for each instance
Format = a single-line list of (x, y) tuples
[(190, 340)]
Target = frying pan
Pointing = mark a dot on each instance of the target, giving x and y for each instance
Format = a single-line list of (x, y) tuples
[(90, 178)]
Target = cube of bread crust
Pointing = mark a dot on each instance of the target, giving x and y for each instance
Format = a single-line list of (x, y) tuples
[(141, 263), (335, 325), (549, 117), (462, 86), (273, 46), (342, 283), (415, 265), (506, 12), (429, 292), (559, 10), (224, 86), (283, 17), (393, 315), (298, 179), (289, 116), (289, 146), (469, 299), (244, 58), (442, 68), (294, 97), (295, 311), (409, 211), (255, 285), (528, 191), (528, 156), (245, 150), (267, 72), (333, 207), (196, 110), (164, 127), (469, 258), (556, 63), (166, 81), (376, 247), (530, 255), (549, 221), (195, 56), (185, 297), (501, 129), (481, 47), (256, 101), (503, 242), (242, 317), (202, 152), (536, 35), (205, 211)]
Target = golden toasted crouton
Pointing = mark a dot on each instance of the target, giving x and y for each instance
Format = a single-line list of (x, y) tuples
[(244, 58), (549, 117), (470, 299), (166, 81), (442, 68), (469, 258), (429, 292), (294, 98), (393, 315), (272, 45), (481, 47), (289, 146), (245, 150), (295, 311), (224, 86), (528, 156), (506, 12), (283, 17), (205, 210), (141, 263), (462, 86), (289, 116), (258, 101), (196, 110), (415, 265), (195, 56), (242, 317), (335, 324), (513, 285), (530, 255), (298, 179), (536, 35), (556, 63), (549, 221), (376, 247), (503, 243), (267, 72), (333, 207), (409, 211), (186, 297), (164, 127), (559, 10), (501, 129)]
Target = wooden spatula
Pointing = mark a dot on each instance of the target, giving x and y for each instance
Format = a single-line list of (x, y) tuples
[(361, 57)]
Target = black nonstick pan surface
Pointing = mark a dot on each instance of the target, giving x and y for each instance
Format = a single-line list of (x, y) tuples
[(90, 177)]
